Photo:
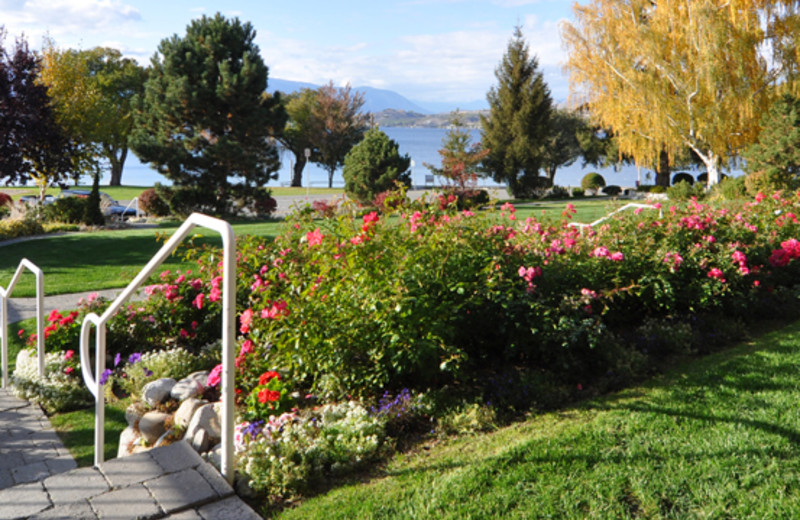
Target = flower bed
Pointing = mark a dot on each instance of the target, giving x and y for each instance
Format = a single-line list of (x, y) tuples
[(359, 309)]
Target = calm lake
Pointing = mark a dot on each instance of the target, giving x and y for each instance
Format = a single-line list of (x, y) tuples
[(421, 145)]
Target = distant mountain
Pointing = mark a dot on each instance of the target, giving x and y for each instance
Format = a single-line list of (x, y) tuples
[(435, 107), (375, 99), (390, 117)]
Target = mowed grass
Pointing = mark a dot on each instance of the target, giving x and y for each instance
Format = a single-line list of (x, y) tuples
[(716, 438), (102, 259), (76, 430)]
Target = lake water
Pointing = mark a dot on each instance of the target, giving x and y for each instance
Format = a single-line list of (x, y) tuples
[(421, 145)]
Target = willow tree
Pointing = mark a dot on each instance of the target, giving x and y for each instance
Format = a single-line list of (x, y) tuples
[(665, 76)]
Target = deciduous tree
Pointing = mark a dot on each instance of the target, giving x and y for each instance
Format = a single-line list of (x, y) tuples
[(461, 159), (205, 121), (31, 143), (518, 123), (665, 76), (92, 92), (337, 124), (562, 145), (297, 135)]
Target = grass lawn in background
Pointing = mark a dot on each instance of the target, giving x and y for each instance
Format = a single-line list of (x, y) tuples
[(718, 437), (101, 259)]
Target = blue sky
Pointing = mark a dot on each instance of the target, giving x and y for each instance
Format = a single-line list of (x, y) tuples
[(426, 50)]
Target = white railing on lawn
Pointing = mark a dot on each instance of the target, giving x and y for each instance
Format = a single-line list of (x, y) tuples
[(632, 205), (5, 294), (228, 330), (134, 202)]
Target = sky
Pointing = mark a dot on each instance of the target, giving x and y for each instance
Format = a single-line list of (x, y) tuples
[(425, 50)]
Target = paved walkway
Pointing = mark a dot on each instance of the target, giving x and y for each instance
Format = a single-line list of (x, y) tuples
[(39, 478)]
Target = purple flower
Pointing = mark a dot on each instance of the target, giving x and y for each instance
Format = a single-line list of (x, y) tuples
[(105, 375), (147, 372), (134, 358), (117, 359)]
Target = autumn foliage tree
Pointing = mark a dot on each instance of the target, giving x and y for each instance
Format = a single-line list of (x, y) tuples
[(32, 144), (461, 159), (665, 76), (93, 92)]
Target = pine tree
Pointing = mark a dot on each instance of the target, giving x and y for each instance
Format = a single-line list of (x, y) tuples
[(205, 121), (461, 159), (373, 166), (777, 151), (518, 122)]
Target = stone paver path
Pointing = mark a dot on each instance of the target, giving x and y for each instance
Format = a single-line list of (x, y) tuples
[(40, 480), (29, 448)]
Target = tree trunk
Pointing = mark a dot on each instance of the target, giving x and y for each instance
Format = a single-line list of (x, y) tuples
[(663, 169), (330, 178), (116, 168), (297, 172)]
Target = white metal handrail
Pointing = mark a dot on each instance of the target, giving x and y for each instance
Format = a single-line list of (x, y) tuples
[(5, 294), (133, 202), (623, 208), (228, 330)]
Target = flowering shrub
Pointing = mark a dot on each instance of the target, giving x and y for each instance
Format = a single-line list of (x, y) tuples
[(61, 389), (284, 455), (137, 370)]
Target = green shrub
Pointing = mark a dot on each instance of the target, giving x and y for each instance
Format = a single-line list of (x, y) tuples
[(682, 177), (612, 190), (658, 189), (152, 204), (766, 182), (578, 192), (681, 191), (66, 209), (592, 181), (557, 192), (732, 188), (373, 166), (15, 228)]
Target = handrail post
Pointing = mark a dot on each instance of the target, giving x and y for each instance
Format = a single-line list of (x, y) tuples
[(5, 294), (228, 334)]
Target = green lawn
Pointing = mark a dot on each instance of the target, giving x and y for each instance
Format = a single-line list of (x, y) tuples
[(99, 260), (716, 438)]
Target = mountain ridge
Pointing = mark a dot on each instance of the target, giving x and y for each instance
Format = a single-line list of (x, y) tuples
[(377, 100)]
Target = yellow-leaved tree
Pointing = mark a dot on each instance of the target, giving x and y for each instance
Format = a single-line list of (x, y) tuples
[(675, 74)]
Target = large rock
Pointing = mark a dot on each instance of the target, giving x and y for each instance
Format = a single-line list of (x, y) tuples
[(133, 413), (201, 441), (190, 386), (151, 426), (186, 410), (127, 440), (205, 418), (158, 391)]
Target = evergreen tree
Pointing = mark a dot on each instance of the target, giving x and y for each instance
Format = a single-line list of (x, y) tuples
[(373, 166), (92, 213), (777, 151), (205, 121), (518, 122)]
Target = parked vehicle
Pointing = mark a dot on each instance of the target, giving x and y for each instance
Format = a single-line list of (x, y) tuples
[(109, 206)]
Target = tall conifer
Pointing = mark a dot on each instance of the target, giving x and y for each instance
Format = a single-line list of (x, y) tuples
[(518, 123)]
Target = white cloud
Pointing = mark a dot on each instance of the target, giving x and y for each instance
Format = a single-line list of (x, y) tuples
[(453, 66), (37, 18)]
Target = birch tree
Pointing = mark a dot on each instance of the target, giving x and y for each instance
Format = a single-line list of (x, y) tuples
[(681, 73)]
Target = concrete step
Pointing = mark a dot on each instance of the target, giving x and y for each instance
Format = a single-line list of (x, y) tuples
[(170, 482)]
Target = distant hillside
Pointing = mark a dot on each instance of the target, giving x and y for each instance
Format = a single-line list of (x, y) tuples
[(391, 117), (375, 99)]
